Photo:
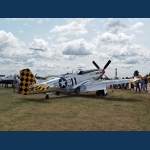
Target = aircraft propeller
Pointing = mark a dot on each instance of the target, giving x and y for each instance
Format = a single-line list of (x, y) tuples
[(106, 77), (109, 61), (95, 64), (103, 70)]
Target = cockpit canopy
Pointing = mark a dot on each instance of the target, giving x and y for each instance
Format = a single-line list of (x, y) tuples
[(81, 72)]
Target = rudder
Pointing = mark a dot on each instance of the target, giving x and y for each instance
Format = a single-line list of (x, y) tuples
[(26, 79)]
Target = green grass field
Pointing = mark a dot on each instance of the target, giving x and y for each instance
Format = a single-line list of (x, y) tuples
[(120, 110)]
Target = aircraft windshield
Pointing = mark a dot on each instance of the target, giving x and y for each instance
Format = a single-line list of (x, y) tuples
[(80, 72)]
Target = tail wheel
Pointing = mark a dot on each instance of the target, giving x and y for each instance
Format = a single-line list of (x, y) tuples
[(99, 93), (47, 96)]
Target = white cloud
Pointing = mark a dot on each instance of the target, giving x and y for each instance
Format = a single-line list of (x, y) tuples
[(131, 54), (74, 27), (81, 65), (39, 44), (78, 47), (131, 60), (127, 66), (72, 44), (7, 40), (111, 38), (115, 26), (62, 39), (137, 25), (11, 47)]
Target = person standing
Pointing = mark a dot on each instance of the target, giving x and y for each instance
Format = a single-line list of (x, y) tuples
[(14, 84), (137, 86), (131, 86), (142, 84), (6, 85), (123, 85), (18, 85), (145, 84)]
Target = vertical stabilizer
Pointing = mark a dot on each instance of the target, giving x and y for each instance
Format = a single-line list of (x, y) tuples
[(26, 79)]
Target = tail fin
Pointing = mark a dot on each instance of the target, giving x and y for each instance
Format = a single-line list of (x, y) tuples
[(26, 79)]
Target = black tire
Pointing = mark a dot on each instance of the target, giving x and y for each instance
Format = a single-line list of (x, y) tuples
[(78, 90), (47, 96), (57, 93), (99, 93)]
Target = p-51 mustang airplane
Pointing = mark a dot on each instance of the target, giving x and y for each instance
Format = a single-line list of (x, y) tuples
[(78, 82)]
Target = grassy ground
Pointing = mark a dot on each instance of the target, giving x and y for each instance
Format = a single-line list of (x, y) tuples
[(120, 110)]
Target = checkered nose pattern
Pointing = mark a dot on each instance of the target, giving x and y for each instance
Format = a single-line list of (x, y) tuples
[(26, 79)]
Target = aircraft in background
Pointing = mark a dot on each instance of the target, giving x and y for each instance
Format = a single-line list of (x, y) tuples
[(8, 79), (1, 76), (82, 81)]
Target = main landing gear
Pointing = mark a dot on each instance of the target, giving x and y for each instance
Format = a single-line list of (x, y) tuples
[(101, 93), (47, 95), (77, 90), (57, 93)]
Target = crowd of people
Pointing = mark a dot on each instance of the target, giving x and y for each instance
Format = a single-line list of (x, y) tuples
[(137, 86), (4, 85), (140, 85)]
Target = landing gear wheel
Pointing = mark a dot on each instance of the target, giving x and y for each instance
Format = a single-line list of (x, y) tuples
[(47, 96), (78, 90), (57, 93), (99, 93)]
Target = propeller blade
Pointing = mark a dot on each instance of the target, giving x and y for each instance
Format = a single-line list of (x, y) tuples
[(95, 65), (106, 77), (109, 61)]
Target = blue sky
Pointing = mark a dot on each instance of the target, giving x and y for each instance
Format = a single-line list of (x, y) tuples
[(58, 45)]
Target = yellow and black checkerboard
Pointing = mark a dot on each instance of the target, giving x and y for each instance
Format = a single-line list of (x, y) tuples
[(26, 79), (41, 87)]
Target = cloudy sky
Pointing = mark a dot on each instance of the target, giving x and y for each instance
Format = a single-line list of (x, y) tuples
[(58, 45)]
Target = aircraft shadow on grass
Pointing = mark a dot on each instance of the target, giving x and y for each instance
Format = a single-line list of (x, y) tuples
[(70, 96)]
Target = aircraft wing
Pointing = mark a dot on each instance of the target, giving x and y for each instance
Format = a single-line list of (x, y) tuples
[(99, 85)]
